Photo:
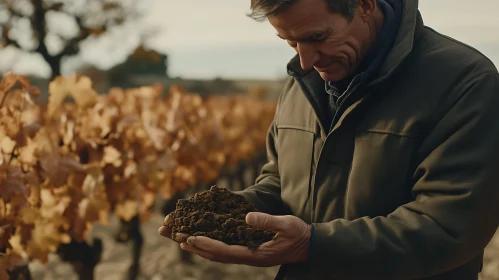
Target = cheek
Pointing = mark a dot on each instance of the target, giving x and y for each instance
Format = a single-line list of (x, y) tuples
[(353, 52), (358, 38), (344, 52)]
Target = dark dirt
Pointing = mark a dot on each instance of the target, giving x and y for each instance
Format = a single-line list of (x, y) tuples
[(218, 214)]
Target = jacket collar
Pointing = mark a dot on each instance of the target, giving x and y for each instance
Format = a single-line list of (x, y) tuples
[(411, 24)]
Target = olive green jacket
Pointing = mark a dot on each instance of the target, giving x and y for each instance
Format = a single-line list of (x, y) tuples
[(406, 184)]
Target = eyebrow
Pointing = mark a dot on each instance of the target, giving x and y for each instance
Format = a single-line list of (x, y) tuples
[(308, 37)]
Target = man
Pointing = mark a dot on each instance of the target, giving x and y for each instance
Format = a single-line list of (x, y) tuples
[(384, 150)]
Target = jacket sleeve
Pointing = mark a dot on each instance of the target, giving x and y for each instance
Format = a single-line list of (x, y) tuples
[(266, 193), (455, 212)]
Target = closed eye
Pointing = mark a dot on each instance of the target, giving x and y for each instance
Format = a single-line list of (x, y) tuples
[(321, 37)]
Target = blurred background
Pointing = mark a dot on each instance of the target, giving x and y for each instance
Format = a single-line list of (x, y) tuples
[(209, 47), (205, 45)]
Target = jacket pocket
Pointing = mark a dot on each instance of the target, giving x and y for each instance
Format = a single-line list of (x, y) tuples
[(380, 174), (295, 155)]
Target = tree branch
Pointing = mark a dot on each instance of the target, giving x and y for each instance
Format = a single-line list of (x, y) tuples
[(7, 40), (38, 24), (55, 7), (12, 11), (91, 22), (71, 47)]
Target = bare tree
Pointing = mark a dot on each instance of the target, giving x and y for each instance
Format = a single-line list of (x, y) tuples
[(30, 25)]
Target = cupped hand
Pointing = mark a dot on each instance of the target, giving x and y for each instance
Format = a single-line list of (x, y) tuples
[(291, 244), (165, 231)]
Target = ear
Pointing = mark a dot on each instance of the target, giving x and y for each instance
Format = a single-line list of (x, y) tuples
[(367, 8)]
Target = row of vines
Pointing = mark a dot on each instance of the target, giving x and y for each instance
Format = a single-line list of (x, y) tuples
[(73, 161)]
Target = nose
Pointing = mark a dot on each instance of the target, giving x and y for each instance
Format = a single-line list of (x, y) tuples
[(308, 55)]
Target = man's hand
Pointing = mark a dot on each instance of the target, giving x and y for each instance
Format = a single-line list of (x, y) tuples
[(164, 231), (291, 244)]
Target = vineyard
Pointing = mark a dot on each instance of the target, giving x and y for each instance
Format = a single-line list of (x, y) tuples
[(115, 164), (83, 157)]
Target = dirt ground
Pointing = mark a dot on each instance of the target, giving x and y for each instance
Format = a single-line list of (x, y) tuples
[(160, 261)]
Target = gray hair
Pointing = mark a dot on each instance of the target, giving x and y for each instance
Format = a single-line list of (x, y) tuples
[(263, 9)]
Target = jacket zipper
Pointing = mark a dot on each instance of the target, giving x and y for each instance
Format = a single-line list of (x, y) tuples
[(327, 134), (346, 96), (314, 171)]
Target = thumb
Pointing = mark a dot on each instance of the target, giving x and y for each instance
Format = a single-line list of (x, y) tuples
[(265, 221)]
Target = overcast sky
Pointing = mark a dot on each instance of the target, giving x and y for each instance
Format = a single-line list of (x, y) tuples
[(206, 39)]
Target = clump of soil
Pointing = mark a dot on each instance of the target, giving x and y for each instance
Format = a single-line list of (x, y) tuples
[(218, 214)]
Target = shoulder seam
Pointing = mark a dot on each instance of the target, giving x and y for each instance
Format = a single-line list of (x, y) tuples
[(459, 42)]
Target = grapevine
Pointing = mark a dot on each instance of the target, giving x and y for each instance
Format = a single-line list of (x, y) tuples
[(65, 165)]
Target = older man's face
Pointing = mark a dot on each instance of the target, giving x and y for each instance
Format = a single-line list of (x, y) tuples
[(326, 41)]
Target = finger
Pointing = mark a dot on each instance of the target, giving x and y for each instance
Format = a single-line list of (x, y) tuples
[(268, 222), (165, 221), (181, 237), (192, 249), (221, 249), (210, 255), (164, 231)]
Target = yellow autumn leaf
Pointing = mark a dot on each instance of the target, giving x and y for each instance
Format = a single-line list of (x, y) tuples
[(83, 93), (29, 215), (7, 145), (127, 210), (88, 210), (148, 199), (52, 205), (58, 91), (80, 88), (15, 243), (27, 155), (112, 156)]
